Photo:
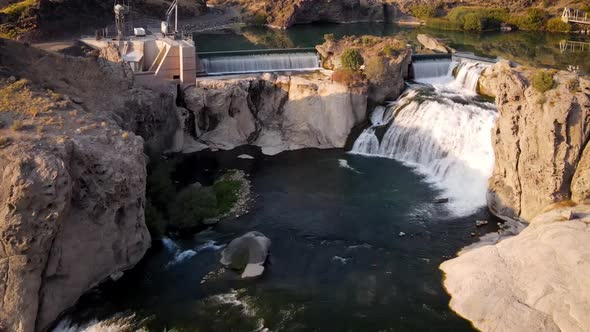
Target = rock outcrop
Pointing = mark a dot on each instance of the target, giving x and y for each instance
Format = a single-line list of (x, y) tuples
[(540, 141), (386, 60), (247, 253), (286, 13), (535, 281), (277, 113), (72, 179), (433, 44)]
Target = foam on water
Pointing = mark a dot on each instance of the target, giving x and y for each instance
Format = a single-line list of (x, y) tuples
[(180, 255)]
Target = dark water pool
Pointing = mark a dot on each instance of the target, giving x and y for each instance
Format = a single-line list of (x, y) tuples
[(340, 260)]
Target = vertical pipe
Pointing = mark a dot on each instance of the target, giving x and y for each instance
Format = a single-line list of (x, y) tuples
[(176, 17)]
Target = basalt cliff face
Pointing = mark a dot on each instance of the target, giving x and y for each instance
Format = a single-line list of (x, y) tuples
[(540, 141), (277, 113), (72, 178)]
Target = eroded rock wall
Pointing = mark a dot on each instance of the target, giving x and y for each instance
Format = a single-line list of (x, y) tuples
[(539, 141), (277, 113), (72, 178)]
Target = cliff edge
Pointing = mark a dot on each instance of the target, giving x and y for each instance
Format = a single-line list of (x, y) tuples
[(72, 179)]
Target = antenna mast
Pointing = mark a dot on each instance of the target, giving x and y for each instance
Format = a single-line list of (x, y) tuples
[(172, 9), (121, 9)]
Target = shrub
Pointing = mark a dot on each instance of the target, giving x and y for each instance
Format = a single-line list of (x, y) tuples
[(369, 40), (543, 81), (423, 12), (557, 25), (352, 59), (15, 10), (329, 37), (226, 192), (472, 23), (376, 69), (390, 51), (533, 20), (192, 206), (443, 24)]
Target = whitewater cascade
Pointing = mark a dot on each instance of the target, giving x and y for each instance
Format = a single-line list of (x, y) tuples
[(442, 130), (221, 65)]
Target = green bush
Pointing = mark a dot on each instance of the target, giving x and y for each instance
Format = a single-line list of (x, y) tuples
[(472, 22), (423, 12), (390, 51), (534, 20), (226, 192), (443, 24), (15, 10), (352, 59), (192, 206), (543, 81), (557, 25)]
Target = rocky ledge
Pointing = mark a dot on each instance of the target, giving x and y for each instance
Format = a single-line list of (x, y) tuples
[(535, 281)]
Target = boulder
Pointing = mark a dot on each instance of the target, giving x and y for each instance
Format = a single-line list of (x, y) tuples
[(535, 281), (247, 253), (433, 44)]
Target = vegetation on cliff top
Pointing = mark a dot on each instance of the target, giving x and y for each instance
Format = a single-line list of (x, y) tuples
[(466, 18), (543, 81)]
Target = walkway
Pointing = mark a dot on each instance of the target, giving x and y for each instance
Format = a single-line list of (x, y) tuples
[(575, 16)]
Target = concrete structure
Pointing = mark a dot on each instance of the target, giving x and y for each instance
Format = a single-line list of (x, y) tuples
[(156, 57)]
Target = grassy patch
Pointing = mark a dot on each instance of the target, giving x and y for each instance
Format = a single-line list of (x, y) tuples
[(192, 206), (424, 12), (543, 81), (15, 10), (226, 192), (557, 25)]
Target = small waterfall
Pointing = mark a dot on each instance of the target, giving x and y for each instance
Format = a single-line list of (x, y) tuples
[(468, 73), (433, 68), (443, 133), (221, 65)]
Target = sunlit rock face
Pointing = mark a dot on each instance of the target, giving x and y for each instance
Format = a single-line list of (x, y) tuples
[(535, 281), (275, 112), (540, 141)]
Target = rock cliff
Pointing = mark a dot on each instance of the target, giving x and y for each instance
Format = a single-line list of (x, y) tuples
[(535, 281), (276, 113), (540, 141), (73, 178)]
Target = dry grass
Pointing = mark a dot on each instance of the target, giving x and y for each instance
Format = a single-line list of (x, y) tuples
[(20, 99)]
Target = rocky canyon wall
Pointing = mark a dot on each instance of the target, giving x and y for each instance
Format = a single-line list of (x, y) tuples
[(277, 113), (72, 178), (540, 141)]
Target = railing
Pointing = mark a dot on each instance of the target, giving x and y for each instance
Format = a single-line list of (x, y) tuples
[(573, 46), (575, 16)]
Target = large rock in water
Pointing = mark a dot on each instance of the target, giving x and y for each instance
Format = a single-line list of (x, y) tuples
[(433, 44), (247, 253), (535, 281), (540, 141)]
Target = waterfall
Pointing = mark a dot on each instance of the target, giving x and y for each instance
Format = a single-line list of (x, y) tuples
[(220, 65), (433, 68), (444, 133)]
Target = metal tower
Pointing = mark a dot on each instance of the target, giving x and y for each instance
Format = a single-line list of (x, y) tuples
[(121, 9)]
